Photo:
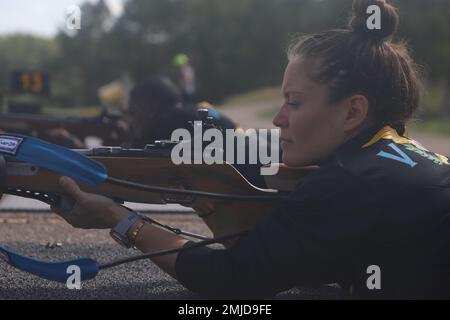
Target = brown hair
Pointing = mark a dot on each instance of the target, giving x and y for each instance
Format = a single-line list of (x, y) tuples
[(358, 60)]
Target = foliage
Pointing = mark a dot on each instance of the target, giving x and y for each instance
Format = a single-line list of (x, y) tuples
[(234, 45)]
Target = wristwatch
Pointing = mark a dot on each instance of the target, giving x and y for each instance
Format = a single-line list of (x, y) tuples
[(119, 232)]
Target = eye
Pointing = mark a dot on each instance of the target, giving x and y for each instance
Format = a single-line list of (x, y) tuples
[(293, 104)]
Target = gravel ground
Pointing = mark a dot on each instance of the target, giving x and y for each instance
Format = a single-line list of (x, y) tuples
[(30, 234)]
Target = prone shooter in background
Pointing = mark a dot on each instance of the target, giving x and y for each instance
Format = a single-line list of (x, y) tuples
[(155, 110)]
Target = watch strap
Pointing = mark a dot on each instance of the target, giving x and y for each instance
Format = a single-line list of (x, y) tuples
[(119, 232)]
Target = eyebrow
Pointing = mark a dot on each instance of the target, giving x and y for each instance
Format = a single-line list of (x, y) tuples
[(286, 93)]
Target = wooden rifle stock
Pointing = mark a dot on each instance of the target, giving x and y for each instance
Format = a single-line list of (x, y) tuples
[(221, 216)]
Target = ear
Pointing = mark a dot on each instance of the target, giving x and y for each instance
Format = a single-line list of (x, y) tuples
[(357, 111)]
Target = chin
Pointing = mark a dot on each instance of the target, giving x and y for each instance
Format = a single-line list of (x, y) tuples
[(296, 162), (291, 162)]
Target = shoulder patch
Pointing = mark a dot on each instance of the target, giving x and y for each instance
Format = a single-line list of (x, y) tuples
[(409, 144), (400, 156), (436, 158)]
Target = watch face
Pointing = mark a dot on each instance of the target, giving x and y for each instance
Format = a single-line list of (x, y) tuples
[(119, 232), (119, 239)]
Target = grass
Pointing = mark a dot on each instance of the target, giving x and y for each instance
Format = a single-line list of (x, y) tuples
[(441, 126), (88, 111), (432, 103), (432, 100)]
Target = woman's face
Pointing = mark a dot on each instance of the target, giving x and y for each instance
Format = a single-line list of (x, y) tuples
[(311, 127)]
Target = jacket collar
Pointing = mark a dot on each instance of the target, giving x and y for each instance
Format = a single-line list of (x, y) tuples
[(365, 139)]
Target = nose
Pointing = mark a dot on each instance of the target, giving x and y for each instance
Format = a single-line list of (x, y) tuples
[(281, 118)]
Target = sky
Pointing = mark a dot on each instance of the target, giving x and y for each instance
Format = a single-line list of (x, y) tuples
[(40, 17)]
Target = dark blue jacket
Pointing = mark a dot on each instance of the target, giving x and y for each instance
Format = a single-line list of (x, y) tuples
[(380, 201)]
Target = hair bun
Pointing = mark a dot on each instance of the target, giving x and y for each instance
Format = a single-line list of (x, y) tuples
[(389, 19)]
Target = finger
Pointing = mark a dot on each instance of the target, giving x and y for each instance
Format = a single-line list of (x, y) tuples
[(65, 203), (71, 187), (56, 210), (66, 216)]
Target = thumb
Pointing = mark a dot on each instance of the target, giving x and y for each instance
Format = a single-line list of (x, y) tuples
[(70, 187)]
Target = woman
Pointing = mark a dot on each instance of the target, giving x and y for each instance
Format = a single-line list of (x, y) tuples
[(374, 218)]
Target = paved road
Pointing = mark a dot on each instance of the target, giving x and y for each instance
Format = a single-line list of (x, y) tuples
[(30, 234)]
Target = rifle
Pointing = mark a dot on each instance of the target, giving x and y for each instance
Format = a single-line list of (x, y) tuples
[(31, 168), (104, 126)]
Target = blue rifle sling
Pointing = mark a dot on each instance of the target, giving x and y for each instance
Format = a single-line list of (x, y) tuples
[(54, 271), (53, 157)]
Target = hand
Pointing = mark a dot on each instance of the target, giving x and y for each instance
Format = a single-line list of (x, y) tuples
[(91, 211), (203, 208)]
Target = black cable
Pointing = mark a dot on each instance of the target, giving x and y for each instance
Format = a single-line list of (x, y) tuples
[(170, 251), (269, 198), (176, 231)]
